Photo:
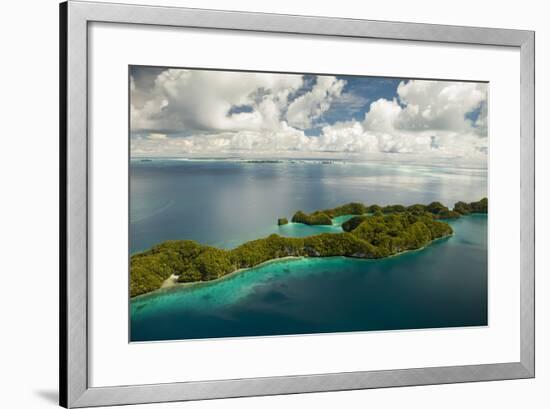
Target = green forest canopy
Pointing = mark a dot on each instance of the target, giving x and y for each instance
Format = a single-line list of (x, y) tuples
[(438, 210), (374, 232)]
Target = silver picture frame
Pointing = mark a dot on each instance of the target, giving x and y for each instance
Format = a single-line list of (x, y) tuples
[(75, 16)]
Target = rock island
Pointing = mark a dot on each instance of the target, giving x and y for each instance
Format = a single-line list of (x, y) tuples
[(373, 232)]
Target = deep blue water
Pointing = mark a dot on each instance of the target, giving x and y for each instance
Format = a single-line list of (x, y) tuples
[(226, 203)]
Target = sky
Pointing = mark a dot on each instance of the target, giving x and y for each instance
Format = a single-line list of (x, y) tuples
[(206, 113)]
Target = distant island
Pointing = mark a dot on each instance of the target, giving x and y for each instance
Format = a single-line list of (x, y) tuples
[(436, 209), (374, 232)]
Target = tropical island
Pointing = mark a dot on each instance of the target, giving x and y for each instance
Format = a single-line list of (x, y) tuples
[(373, 232)]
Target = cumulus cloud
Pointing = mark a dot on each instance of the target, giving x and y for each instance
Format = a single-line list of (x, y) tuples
[(192, 112), (438, 105), (194, 100), (426, 117), (310, 106)]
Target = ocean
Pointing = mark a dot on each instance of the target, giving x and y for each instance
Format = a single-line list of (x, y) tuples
[(227, 202)]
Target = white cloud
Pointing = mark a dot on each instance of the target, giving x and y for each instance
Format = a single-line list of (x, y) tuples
[(438, 105), (254, 114), (202, 100), (382, 115), (347, 137), (248, 141), (481, 121), (431, 120), (310, 106), (157, 136)]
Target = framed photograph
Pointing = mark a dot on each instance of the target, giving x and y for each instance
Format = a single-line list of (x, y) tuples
[(257, 204)]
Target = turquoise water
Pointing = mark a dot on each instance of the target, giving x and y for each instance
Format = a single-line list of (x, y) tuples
[(443, 285)]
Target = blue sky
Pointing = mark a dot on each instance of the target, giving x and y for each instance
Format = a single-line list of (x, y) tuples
[(361, 91), (180, 112)]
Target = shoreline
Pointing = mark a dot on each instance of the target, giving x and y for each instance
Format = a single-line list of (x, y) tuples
[(171, 282)]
